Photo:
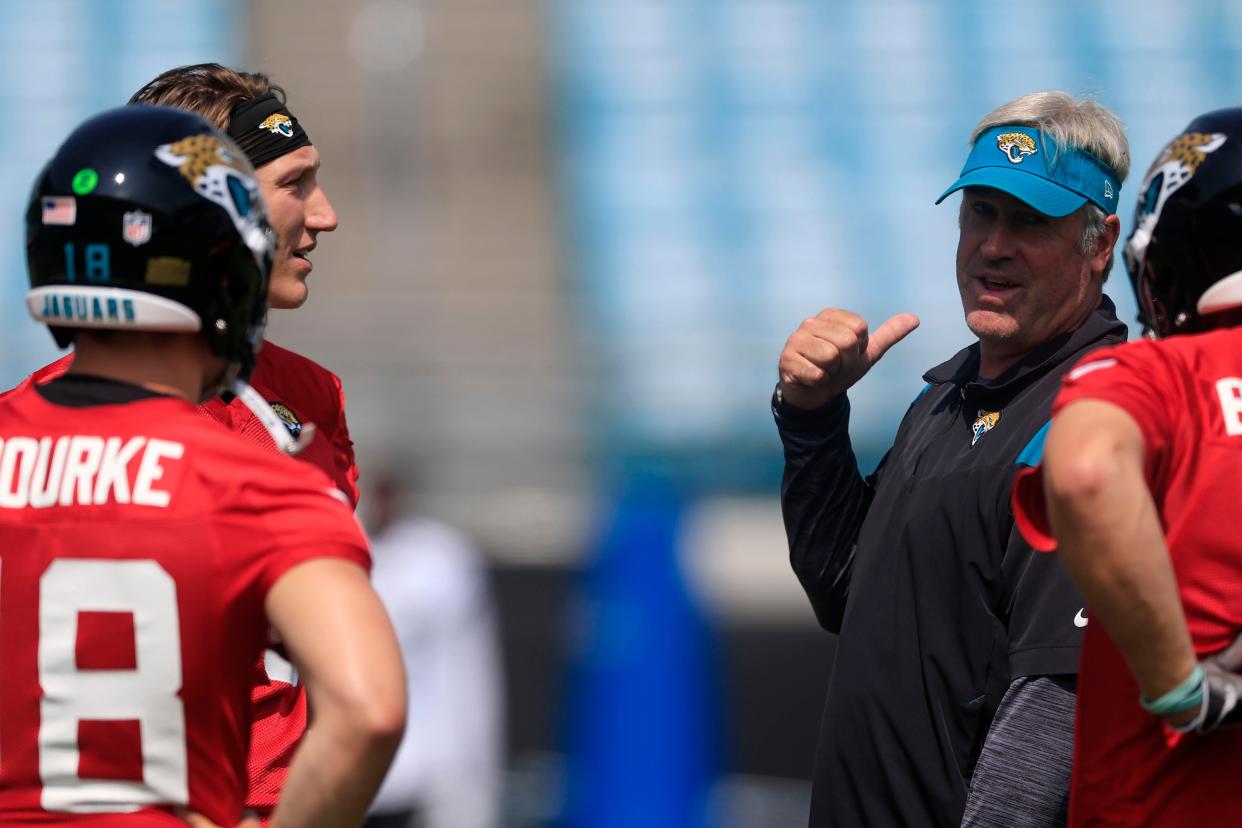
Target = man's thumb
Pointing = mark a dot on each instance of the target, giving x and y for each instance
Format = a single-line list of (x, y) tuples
[(889, 334)]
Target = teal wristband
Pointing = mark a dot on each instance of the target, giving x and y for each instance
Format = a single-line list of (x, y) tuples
[(1185, 696)]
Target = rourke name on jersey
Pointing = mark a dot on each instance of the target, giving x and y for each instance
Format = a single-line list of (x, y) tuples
[(83, 470)]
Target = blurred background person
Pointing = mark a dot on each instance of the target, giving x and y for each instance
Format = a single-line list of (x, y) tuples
[(434, 584), (573, 234)]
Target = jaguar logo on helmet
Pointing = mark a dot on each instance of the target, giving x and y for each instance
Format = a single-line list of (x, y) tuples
[(1173, 167), (278, 124), (1016, 146), (220, 176), (173, 238)]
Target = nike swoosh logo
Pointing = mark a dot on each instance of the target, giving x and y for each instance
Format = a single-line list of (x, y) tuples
[(1080, 620)]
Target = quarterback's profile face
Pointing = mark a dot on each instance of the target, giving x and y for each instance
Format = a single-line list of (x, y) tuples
[(300, 211), (1022, 275)]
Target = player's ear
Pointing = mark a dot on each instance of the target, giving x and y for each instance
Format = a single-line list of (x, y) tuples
[(1102, 251)]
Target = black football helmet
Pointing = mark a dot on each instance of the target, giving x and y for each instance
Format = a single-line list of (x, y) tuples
[(149, 219), (1184, 254)]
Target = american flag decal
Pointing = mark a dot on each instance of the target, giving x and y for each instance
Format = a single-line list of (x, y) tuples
[(60, 210)]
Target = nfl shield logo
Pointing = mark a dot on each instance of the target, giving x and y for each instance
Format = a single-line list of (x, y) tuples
[(136, 227)]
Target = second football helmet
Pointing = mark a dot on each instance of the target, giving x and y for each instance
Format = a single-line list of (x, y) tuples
[(149, 219), (1184, 254)]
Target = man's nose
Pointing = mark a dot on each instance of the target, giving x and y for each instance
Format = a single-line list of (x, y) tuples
[(320, 215), (998, 243)]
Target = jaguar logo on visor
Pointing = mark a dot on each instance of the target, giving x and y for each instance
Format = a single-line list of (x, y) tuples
[(1016, 146)]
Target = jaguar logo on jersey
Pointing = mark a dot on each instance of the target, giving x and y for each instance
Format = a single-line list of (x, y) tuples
[(986, 422), (278, 124), (218, 174), (1016, 146), (286, 415)]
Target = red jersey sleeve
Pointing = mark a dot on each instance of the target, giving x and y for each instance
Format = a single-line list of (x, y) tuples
[(1139, 378), (300, 521), (1142, 379)]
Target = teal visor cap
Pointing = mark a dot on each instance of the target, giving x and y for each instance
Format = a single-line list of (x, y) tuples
[(1021, 161)]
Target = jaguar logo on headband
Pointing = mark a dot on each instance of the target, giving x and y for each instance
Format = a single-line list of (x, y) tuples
[(1016, 146), (278, 124)]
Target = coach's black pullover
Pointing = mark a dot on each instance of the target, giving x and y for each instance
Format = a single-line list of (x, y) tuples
[(939, 602)]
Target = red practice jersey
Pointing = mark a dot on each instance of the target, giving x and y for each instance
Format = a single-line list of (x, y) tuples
[(138, 541), (1185, 394), (300, 391)]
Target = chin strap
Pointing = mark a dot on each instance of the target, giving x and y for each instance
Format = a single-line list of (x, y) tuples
[(274, 425)]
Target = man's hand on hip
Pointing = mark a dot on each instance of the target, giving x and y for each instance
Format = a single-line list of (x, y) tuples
[(832, 351), (1222, 693)]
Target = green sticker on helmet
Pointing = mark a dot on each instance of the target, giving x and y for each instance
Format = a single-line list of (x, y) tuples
[(85, 182)]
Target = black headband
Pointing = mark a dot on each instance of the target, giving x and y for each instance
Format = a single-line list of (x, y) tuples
[(265, 129)]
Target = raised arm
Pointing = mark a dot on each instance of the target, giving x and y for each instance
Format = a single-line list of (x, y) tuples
[(823, 497)]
